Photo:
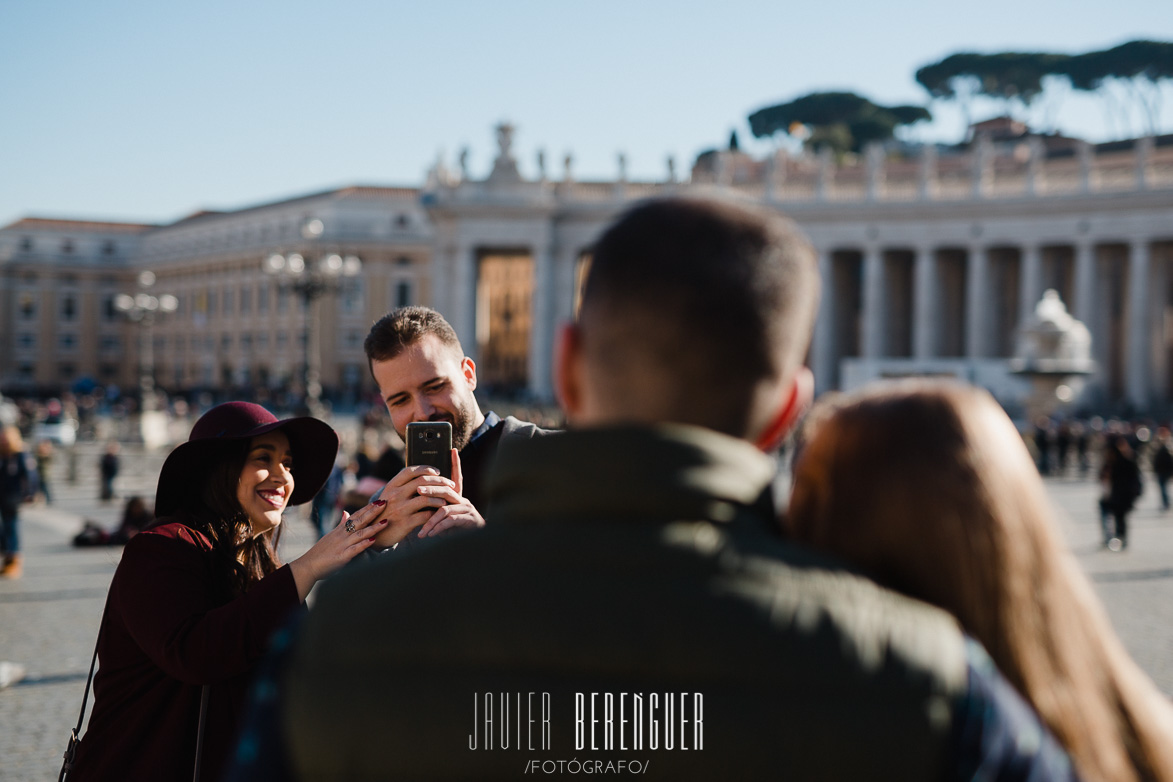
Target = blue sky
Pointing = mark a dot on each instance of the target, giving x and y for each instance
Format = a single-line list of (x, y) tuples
[(129, 110)]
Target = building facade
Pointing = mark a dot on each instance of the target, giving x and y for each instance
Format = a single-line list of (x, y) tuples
[(930, 262)]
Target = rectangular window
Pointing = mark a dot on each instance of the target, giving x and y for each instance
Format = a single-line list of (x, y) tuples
[(211, 302), (26, 341), (111, 344), (263, 293), (226, 342), (228, 303), (282, 300), (246, 342), (28, 305), (352, 297), (246, 300), (68, 307), (403, 294), (109, 311), (67, 342)]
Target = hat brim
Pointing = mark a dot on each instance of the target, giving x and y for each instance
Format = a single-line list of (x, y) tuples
[(313, 443)]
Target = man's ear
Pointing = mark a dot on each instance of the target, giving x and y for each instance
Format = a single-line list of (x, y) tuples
[(795, 401), (568, 369), (469, 369)]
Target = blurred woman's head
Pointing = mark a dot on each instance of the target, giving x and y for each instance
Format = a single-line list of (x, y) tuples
[(928, 488)]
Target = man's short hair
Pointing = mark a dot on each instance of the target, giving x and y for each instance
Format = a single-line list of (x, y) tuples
[(691, 307), (402, 328)]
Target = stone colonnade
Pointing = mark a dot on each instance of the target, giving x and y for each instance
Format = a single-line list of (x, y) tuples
[(918, 305), (908, 288)]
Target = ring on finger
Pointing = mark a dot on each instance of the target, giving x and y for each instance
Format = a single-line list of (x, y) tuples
[(350, 525)]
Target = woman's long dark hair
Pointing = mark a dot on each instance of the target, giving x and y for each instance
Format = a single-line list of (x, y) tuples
[(239, 559)]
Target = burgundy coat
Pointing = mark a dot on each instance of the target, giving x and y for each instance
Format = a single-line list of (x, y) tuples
[(165, 635)]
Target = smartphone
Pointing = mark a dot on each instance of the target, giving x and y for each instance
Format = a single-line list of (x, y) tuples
[(430, 443)]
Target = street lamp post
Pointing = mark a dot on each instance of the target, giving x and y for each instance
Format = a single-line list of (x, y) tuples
[(142, 308), (312, 280)]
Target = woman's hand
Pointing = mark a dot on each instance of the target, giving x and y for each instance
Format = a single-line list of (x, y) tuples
[(353, 535)]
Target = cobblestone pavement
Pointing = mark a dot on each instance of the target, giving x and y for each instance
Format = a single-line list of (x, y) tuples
[(49, 618)]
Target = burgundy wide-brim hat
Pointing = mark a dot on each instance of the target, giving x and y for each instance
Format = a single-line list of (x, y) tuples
[(313, 443)]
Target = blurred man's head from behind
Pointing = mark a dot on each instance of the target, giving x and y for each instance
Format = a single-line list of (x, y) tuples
[(697, 312)]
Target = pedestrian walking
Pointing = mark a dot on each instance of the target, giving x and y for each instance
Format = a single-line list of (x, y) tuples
[(44, 458), (1122, 486), (324, 508), (108, 468), (1062, 447), (1042, 438), (1162, 463), (17, 485)]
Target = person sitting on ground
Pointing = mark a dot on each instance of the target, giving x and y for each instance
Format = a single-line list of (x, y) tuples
[(928, 488), (136, 516), (197, 594)]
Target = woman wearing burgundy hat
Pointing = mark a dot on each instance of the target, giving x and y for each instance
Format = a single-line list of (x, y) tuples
[(197, 595)]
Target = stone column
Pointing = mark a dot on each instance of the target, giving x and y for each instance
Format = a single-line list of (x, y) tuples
[(462, 299), (926, 306), (1084, 306), (1136, 370), (982, 172), (541, 333), (1084, 153), (874, 157), (874, 316), (440, 282), (1034, 166), (927, 173), (825, 172), (565, 267), (1144, 153), (823, 344), (977, 304), (1030, 283)]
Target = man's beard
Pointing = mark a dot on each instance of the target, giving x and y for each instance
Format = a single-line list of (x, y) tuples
[(461, 423)]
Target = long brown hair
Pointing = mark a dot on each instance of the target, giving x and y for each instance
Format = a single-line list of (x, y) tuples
[(239, 559), (928, 488)]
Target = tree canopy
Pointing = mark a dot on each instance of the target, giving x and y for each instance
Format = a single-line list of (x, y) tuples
[(1137, 66), (843, 121)]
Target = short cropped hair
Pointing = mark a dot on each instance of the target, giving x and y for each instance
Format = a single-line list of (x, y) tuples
[(402, 328), (691, 308)]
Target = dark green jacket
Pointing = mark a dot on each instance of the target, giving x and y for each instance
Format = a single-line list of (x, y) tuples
[(622, 561)]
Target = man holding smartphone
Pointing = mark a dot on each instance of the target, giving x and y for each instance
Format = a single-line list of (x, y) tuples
[(423, 375)]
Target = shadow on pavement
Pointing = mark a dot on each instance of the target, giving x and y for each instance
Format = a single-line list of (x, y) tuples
[(46, 597)]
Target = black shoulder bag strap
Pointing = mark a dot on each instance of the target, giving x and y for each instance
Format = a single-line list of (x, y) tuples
[(74, 736), (71, 748), (200, 732)]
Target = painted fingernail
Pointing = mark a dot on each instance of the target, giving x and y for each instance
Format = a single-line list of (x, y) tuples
[(379, 503), (381, 522)]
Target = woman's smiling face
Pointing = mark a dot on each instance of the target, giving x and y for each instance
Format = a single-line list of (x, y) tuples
[(266, 481)]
